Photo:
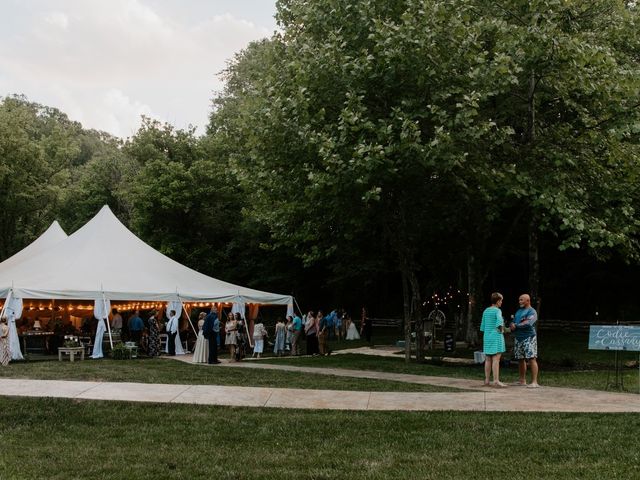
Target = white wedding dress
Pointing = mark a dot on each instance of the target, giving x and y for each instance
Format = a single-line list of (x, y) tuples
[(352, 332), (201, 351)]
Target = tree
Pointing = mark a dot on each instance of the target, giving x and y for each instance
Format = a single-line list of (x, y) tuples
[(404, 122), (37, 146)]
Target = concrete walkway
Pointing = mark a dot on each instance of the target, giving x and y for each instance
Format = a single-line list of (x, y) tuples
[(395, 352), (462, 383), (515, 399)]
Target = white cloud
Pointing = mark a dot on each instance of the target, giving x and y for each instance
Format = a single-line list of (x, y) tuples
[(58, 19), (106, 63)]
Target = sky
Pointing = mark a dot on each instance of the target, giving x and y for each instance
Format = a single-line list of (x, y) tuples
[(107, 62)]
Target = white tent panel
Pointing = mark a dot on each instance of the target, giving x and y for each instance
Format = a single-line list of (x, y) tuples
[(105, 258), (53, 235)]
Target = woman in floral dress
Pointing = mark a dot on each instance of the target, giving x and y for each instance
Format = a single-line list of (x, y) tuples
[(5, 354), (154, 336)]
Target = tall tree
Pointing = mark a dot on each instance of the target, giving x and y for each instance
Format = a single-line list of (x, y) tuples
[(37, 147), (401, 122)]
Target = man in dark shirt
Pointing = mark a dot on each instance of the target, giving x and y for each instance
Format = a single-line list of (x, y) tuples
[(525, 344), (210, 330), (136, 326)]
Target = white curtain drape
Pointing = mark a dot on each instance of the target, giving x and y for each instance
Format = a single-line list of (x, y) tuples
[(173, 325), (176, 306), (101, 309), (239, 307), (13, 312), (97, 344), (290, 310)]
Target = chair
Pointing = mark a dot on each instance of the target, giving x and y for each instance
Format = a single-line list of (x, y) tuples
[(86, 343), (164, 338)]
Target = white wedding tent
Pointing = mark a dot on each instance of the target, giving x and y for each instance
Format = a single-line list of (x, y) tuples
[(12, 308), (53, 235), (103, 260)]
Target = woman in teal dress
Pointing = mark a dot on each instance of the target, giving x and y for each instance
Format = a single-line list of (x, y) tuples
[(493, 341)]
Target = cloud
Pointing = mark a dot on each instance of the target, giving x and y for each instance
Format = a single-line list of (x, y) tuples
[(106, 63)]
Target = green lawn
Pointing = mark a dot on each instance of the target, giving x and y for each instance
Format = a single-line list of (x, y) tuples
[(565, 377), (171, 371), (556, 349), (61, 439)]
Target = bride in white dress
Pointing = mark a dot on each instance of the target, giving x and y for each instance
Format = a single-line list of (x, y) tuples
[(352, 331), (201, 352)]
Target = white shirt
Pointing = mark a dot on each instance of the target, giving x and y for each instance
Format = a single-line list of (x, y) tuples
[(116, 321), (172, 325)]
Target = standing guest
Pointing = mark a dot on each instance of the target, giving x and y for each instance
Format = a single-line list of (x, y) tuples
[(242, 337), (493, 340), (116, 320), (289, 334), (172, 331), (5, 354), (295, 335), (154, 336), (211, 331), (136, 325), (365, 325), (230, 339), (323, 333), (280, 338), (525, 344), (259, 334), (330, 324), (311, 331), (339, 324), (201, 350)]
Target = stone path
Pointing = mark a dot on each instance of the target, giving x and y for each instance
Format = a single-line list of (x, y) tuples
[(395, 352), (546, 399), (461, 383)]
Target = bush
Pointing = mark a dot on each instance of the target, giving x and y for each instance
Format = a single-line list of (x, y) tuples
[(120, 352)]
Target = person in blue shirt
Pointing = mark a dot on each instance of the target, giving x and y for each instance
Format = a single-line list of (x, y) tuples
[(525, 344), (136, 326), (295, 336), (331, 323)]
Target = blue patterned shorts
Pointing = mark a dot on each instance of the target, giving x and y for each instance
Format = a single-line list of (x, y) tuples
[(527, 348)]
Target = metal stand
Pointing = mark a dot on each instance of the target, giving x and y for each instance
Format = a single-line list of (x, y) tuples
[(618, 377)]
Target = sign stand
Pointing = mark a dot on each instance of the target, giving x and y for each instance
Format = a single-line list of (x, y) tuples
[(618, 377), (617, 338)]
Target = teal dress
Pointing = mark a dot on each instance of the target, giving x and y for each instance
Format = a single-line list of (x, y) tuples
[(493, 341)]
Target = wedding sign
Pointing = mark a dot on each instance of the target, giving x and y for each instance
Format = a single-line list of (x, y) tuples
[(614, 337)]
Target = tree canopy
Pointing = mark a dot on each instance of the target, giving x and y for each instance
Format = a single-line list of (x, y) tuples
[(377, 149)]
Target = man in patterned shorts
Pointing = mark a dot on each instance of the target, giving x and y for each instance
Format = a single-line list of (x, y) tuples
[(525, 345)]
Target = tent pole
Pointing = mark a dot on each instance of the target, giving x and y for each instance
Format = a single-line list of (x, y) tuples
[(104, 302), (299, 309), (184, 309)]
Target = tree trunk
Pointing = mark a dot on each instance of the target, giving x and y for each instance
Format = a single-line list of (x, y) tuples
[(534, 267), (475, 291), (416, 316), (411, 295), (407, 317)]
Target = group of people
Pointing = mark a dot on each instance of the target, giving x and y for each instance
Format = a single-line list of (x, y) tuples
[(211, 337), (319, 328), (288, 335), (525, 341)]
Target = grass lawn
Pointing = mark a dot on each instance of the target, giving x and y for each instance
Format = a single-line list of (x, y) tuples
[(171, 371), (557, 349), (61, 439), (567, 377)]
